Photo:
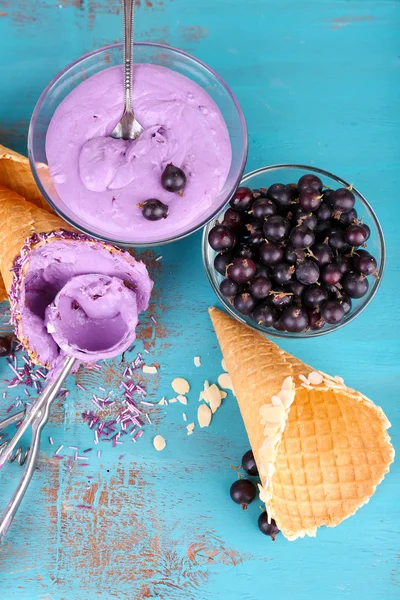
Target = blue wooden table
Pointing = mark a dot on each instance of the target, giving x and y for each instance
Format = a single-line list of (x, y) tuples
[(319, 82)]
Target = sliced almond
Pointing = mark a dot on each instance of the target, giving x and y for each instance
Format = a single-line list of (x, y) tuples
[(204, 415), (182, 399), (184, 416), (272, 414), (197, 361), (212, 396), (163, 401), (180, 385), (223, 364), (172, 400), (150, 369), (159, 443), (276, 401), (272, 429), (315, 378), (225, 381), (190, 428)]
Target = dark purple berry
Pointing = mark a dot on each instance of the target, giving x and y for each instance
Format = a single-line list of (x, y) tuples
[(331, 274), (345, 301), (270, 529), (280, 298), (355, 235), (242, 199), (347, 218), (260, 287), (173, 179), (314, 295), (307, 218), (154, 210), (310, 199), (263, 208), (355, 285), (294, 319), (332, 311), (281, 195), (256, 239), (278, 325), (323, 254), (307, 272), (283, 273), (322, 230), (233, 219), (221, 238), (265, 315), (249, 464), (368, 231), (297, 288), (343, 262), (343, 200), (244, 303), (245, 250), (253, 224), (336, 240), (292, 255), (243, 492), (229, 288), (5, 346), (310, 182), (364, 262), (261, 270), (324, 212), (315, 321), (327, 196), (271, 254), (302, 237), (242, 270), (276, 228), (221, 262)]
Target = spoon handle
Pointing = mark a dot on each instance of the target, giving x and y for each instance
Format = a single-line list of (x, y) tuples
[(129, 9)]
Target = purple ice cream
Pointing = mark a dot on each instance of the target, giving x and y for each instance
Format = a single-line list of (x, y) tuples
[(77, 296), (102, 181)]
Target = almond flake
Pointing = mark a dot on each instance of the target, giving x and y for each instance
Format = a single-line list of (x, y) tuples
[(223, 365), (212, 396), (184, 416), (159, 443), (180, 385), (272, 414), (204, 415), (287, 383), (172, 400), (304, 379), (163, 401), (223, 394), (276, 401), (307, 386), (182, 399), (315, 378), (151, 370), (224, 381), (271, 429), (197, 362), (190, 428)]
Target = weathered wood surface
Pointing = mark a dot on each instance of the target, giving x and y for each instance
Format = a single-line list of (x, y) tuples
[(319, 84)]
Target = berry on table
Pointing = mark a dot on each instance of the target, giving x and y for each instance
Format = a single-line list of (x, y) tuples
[(270, 529), (243, 492), (5, 346), (249, 464)]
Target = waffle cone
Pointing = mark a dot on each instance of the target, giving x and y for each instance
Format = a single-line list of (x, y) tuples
[(19, 219), (16, 175), (324, 456)]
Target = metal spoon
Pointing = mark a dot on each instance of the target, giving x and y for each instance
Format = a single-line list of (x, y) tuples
[(37, 417), (128, 127)]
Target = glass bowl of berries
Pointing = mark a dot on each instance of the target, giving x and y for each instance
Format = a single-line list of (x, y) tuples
[(297, 258)]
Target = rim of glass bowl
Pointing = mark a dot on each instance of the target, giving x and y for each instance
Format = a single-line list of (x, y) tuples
[(111, 240), (210, 271)]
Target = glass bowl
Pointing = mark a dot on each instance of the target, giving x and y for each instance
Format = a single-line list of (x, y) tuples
[(263, 178), (109, 56)]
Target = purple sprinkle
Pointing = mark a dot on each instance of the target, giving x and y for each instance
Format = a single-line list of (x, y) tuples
[(84, 506)]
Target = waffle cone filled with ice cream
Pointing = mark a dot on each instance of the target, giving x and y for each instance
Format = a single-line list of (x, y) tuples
[(46, 266), (321, 447)]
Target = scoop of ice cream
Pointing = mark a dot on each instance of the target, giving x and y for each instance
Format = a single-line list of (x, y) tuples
[(107, 287), (93, 317)]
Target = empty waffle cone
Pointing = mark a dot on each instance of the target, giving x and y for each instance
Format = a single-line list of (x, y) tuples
[(16, 175), (321, 447)]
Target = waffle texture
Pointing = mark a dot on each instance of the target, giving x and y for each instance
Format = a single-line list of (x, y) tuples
[(334, 449)]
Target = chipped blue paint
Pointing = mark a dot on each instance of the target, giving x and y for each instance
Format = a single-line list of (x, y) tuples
[(319, 83)]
